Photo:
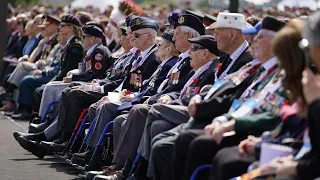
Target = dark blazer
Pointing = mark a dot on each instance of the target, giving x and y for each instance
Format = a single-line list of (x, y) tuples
[(12, 45), (140, 98), (206, 78), (220, 101), (72, 55), (308, 165), (100, 61), (243, 59), (20, 46), (146, 70), (160, 77), (111, 83), (186, 72)]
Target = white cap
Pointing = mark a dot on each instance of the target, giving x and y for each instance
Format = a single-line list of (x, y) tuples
[(229, 20)]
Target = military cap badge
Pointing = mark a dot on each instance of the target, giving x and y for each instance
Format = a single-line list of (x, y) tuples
[(98, 57), (138, 22), (181, 20)]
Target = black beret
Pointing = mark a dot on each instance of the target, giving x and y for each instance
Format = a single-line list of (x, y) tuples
[(190, 21), (142, 23), (198, 15), (208, 19), (129, 18), (69, 19), (272, 24), (207, 42), (91, 30), (95, 23), (168, 35)]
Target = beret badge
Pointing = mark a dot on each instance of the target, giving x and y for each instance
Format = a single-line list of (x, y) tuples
[(138, 22), (181, 20)]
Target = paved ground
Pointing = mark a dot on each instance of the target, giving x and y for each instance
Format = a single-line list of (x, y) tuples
[(18, 164)]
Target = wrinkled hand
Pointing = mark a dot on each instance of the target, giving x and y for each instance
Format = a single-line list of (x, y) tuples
[(281, 166), (23, 58), (209, 128), (192, 107), (96, 88), (36, 73), (40, 64), (95, 81), (165, 99), (248, 145), (127, 98), (103, 100), (67, 79), (288, 168), (310, 85), (216, 130)]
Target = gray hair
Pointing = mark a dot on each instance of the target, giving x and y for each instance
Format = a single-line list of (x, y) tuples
[(187, 29), (152, 32)]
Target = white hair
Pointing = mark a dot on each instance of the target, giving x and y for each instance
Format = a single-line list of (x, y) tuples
[(152, 32), (187, 29)]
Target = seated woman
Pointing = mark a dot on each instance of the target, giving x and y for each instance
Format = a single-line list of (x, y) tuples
[(238, 158), (306, 167)]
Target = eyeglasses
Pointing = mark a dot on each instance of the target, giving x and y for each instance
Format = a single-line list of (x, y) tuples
[(136, 35), (194, 48)]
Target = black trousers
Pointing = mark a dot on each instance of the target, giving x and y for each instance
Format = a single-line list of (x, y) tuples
[(3, 67), (37, 99), (72, 103), (229, 163), (8, 68), (193, 148)]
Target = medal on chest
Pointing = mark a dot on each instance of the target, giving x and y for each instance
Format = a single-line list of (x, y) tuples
[(191, 91), (136, 79), (174, 78)]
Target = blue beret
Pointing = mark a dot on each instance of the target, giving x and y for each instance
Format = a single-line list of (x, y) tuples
[(142, 23), (189, 21), (168, 35)]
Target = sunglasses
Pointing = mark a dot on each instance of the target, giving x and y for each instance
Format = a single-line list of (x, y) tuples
[(194, 48), (136, 35)]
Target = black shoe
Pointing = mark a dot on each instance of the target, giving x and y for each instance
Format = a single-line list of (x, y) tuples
[(17, 134), (46, 145), (82, 158), (22, 115), (35, 120), (107, 172), (39, 127), (11, 113), (31, 136), (117, 176), (59, 147), (32, 146)]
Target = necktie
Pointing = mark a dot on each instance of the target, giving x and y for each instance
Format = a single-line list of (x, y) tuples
[(224, 65), (259, 71)]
